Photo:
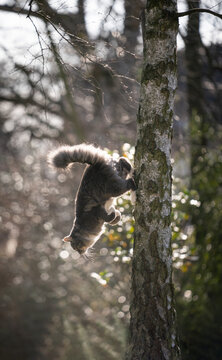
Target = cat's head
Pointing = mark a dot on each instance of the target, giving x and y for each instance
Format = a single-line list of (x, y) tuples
[(78, 243)]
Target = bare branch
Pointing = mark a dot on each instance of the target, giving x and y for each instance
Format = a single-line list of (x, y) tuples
[(18, 10), (197, 10), (69, 97), (19, 100)]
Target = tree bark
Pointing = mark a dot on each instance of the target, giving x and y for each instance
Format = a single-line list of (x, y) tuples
[(152, 328)]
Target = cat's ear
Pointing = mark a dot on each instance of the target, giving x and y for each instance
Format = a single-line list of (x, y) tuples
[(67, 239)]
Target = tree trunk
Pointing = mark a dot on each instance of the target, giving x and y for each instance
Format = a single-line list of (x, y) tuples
[(152, 328)]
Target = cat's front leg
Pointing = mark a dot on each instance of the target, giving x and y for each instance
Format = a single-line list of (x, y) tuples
[(124, 167)]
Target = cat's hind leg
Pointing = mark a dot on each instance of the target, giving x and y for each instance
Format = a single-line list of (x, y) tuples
[(118, 186), (107, 216), (117, 218), (126, 170), (111, 216), (124, 167)]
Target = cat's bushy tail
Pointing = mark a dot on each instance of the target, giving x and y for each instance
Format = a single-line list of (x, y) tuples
[(82, 153)]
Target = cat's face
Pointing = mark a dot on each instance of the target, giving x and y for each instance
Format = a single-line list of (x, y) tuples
[(78, 243)]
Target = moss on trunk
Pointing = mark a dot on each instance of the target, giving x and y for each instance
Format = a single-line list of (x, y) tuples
[(152, 328)]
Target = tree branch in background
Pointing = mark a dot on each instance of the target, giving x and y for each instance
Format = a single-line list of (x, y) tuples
[(198, 10), (19, 10), (71, 114)]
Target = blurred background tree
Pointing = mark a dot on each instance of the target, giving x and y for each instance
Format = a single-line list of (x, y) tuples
[(71, 72), (200, 315)]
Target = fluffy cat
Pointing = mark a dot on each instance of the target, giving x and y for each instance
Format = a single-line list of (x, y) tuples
[(103, 180)]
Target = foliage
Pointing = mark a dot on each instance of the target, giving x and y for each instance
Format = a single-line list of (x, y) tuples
[(196, 235), (199, 290)]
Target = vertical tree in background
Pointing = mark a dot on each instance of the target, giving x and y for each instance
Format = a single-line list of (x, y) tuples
[(152, 328), (194, 85), (200, 318)]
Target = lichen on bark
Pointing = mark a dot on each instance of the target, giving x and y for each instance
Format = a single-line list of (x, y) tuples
[(152, 327)]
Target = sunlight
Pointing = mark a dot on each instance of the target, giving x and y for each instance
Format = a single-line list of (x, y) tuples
[(64, 254)]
